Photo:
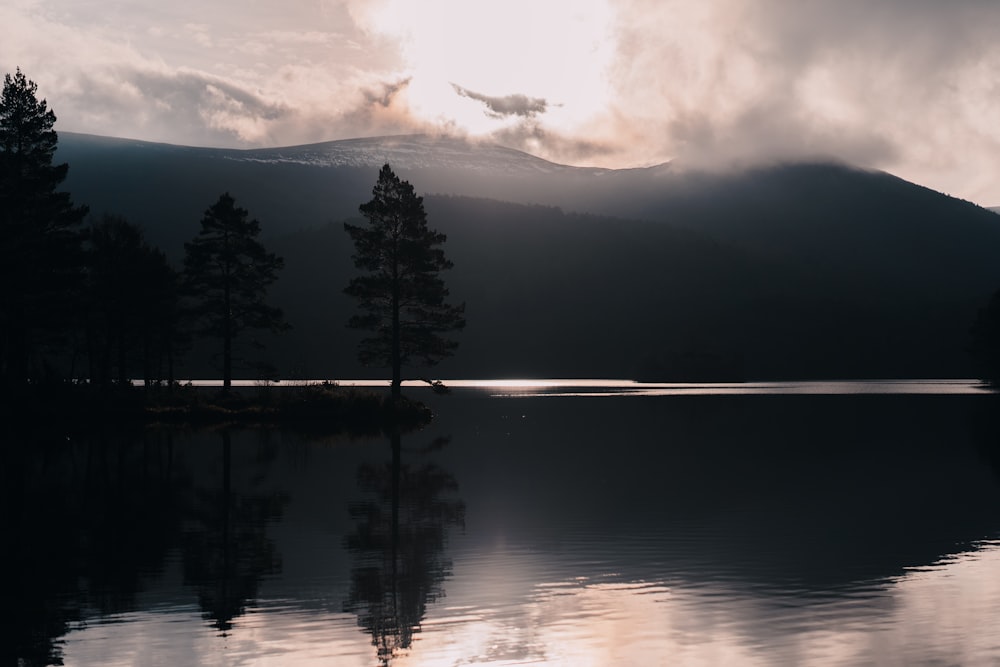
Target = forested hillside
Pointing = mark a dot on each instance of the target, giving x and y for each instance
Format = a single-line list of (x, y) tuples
[(788, 271)]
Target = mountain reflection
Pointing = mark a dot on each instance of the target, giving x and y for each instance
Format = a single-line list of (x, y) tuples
[(398, 546)]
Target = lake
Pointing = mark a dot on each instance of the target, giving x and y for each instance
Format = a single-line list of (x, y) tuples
[(532, 524)]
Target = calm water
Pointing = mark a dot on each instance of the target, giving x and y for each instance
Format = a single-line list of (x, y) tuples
[(542, 525)]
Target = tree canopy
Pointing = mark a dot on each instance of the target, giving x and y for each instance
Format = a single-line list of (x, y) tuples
[(227, 272), (401, 295), (132, 304), (40, 246)]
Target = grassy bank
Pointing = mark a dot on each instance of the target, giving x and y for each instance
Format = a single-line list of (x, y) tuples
[(325, 407)]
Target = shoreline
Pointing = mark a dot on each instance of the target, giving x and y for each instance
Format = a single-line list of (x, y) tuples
[(322, 407)]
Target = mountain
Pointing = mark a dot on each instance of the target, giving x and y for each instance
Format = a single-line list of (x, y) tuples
[(781, 271), (166, 188)]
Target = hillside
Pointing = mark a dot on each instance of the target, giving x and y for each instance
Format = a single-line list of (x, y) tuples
[(166, 188), (809, 270)]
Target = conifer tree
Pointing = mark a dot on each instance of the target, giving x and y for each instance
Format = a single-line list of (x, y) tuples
[(40, 245), (227, 272), (401, 294)]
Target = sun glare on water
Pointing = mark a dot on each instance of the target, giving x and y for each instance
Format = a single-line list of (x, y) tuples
[(552, 51)]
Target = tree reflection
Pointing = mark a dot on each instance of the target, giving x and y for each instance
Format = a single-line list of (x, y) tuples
[(985, 425), (229, 552), (398, 547), (91, 523)]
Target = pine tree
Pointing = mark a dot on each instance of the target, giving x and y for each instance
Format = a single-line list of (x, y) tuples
[(401, 295), (227, 271), (40, 247)]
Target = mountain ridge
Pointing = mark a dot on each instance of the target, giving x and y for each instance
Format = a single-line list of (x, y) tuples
[(404, 151)]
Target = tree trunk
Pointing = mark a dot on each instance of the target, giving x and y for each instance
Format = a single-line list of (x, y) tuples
[(227, 344), (396, 474), (396, 354), (227, 361), (170, 364), (18, 355), (147, 358), (122, 365)]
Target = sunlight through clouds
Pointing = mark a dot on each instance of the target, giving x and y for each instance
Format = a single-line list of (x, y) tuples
[(551, 51)]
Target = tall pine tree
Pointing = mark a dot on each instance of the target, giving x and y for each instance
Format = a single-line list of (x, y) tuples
[(227, 271), (40, 246), (401, 295)]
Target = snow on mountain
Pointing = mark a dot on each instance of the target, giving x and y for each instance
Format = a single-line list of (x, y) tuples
[(407, 152)]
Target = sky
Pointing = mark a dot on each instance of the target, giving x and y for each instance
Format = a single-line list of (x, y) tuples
[(908, 86)]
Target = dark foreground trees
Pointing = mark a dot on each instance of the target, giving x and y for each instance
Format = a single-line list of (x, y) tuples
[(227, 273), (985, 346), (40, 247), (401, 295), (132, 305)]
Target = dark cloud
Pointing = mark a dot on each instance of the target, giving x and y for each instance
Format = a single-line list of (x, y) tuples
[(199, 109), (531, 137), (508, 105), (385, 94), (187, 106)]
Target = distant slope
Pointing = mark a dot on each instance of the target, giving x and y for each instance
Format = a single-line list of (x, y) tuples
[(167, 187), (559, 294), (408, 152), (806, 270)]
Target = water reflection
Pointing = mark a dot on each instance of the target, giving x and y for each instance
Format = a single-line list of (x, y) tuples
[(398, 546), (97, 520), (765, 530), (227, 550), (92, 523), (985, 423)]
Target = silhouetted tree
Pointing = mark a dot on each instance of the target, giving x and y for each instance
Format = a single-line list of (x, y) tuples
[(985, 347), (227, 271), (401, 295), (40, 249), (133, 302)]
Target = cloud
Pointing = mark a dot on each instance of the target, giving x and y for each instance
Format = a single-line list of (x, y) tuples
[(532, 137), (200, 107), (508, 105), (897, 84), (386, 92), (220, 81)]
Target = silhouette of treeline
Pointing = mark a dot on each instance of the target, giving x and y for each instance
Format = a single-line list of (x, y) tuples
[(103, 293), (100, 291)]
